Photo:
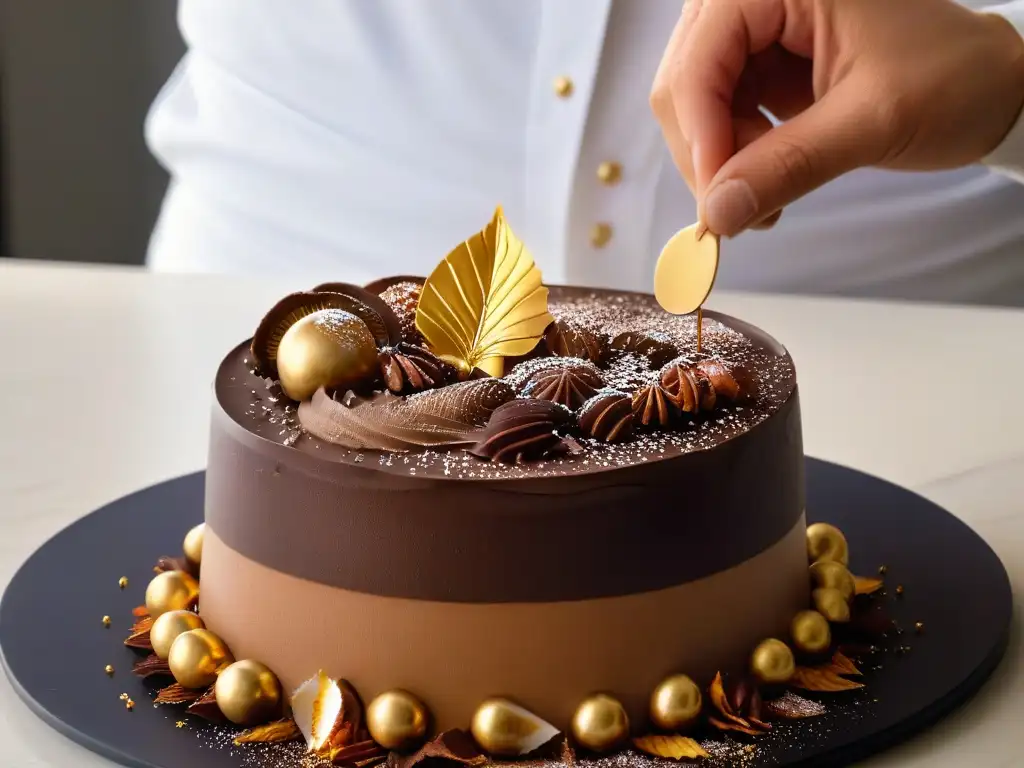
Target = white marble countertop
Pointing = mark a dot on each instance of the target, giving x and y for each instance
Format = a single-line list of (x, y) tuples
[(107, 372)]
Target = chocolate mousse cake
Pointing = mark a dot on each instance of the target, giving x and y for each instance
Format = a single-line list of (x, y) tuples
[(469, 486)]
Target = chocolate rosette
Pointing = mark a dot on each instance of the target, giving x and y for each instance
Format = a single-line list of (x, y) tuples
[(654, 407), (569, 385), (567, 339), (405, 368), (607, 416)]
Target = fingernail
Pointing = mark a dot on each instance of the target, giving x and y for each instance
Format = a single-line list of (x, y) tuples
[(729, 207)]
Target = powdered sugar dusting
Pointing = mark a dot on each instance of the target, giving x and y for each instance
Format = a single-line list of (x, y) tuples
[(606, 315)]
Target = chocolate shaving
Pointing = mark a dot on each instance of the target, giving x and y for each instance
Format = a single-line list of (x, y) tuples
[(176, 694), (150, 666), (455, 745), (358, 753), (272, 733), (205, 706), (790, 706), (139, 640)]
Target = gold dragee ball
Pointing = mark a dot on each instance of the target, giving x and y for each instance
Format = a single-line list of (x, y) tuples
[(193, 544), (826, 542), (248, 693), (600, 723), (170, 591), (398, 720), (772, 662), (832, 604), (504, 729), (168, 626), (829, 573), (810, 632), (676, 703), (197, 657), (330, 348)]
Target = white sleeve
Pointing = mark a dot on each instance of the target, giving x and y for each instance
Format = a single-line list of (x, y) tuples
[(1008, 157)]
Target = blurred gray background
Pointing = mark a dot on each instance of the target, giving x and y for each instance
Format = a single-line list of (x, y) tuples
[(76, 80)]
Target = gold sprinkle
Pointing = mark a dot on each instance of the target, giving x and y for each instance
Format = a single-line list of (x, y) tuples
[(122, 582), (882, 569), (180, 724), (123, 697), (919, 627), (106, 621), (109, 669), (129, 705), (899, 589)]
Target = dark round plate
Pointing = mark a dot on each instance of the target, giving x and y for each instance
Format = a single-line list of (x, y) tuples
[(55, 648)]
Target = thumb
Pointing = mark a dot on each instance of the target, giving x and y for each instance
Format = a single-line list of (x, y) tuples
[(828, 139)]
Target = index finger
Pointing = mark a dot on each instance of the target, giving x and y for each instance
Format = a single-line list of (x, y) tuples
[(705, 74)]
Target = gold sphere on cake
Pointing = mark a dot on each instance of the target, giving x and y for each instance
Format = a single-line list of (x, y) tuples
[(832, 604), (331, 348), (829, 573), (676, 703), (171, 591), (398, 720), (168, 626), (248, 693), (826, 542), (600, 723), (197, 657), (504, 729), (772, 662), (193, 545), (810, 632)]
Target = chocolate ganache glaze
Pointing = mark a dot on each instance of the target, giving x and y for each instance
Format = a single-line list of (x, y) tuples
[(629, 531)]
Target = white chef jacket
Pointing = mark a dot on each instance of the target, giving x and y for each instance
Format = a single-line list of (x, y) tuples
[(348, 139)]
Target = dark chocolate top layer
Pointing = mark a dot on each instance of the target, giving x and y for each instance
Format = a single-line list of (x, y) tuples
[(258, 405)]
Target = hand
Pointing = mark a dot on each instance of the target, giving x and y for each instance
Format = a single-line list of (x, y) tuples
[(907, 84)]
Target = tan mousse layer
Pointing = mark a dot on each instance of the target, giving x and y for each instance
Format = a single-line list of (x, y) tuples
[(546, 656)]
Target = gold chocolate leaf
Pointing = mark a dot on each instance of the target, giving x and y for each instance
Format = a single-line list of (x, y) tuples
[(822, 680), (716, 692), (140, 611), (357, 753), (867, 585), (176, 694), (206, 707), (673, 747), (725, 725), (151, 665), (842, 665), (484, 302), (271, 733), (789, 706)]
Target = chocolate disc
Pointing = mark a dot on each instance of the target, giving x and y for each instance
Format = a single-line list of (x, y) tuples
[(686, 270)]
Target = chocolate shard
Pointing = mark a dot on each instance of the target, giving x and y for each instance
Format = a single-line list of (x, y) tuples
[(205, 706), (607, 416), (405, 368), (570, 385), (657, 348), (454, 746), (689, 386), (567, 339), (653, 407), (523, 430), (150, 666), (176, 694)]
